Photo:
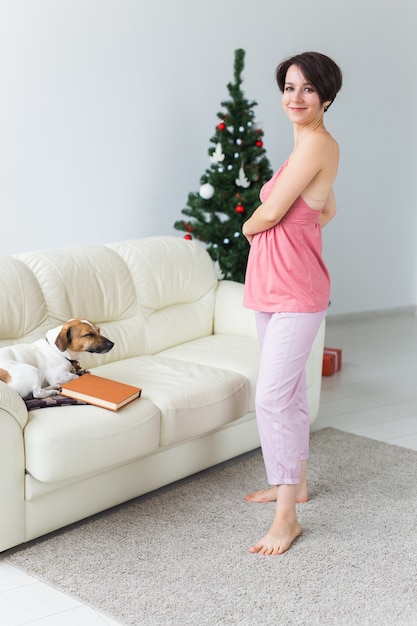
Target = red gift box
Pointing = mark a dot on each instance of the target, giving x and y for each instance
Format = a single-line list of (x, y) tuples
[(332, 361)]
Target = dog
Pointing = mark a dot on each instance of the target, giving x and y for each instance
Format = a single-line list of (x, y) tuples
[(39, 369)]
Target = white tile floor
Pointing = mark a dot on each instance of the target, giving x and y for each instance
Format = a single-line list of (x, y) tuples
[(25, 600), (374, 395)]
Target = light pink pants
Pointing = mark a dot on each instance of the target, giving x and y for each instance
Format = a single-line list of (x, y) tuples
[(281, 394)]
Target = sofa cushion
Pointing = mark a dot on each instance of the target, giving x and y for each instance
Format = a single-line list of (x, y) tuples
[(193, 398), (240, 354), (22, 306), (231, 352), (91, 282), (69, 441), (175, 285)]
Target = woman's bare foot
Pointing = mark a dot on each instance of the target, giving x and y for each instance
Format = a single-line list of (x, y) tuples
[(278, 539), (270, 494), (285, 527), (263, 495)]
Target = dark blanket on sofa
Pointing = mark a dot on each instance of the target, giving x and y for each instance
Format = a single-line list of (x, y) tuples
[(43, 403)]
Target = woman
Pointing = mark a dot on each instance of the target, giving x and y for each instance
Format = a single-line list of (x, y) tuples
[(288, 285)]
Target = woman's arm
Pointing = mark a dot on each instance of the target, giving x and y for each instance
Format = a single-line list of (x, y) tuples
[(307, 161)]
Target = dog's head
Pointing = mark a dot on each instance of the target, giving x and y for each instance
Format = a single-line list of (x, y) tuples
[(80, 335)]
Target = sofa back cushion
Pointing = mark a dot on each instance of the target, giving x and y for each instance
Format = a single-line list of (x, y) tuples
[(23, 312), (175, 284), (146, 295), (91, 282)]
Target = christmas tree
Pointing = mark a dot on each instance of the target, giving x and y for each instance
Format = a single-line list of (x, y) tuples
[(230, 186)]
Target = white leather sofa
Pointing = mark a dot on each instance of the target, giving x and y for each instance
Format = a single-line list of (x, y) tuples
[(179, 333)]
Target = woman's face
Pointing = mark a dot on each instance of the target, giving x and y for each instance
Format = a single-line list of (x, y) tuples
[(300, 100)]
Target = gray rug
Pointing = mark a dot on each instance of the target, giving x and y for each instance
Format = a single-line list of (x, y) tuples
[(180, 556)]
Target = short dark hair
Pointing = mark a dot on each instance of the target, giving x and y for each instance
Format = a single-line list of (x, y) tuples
[(320, 70)]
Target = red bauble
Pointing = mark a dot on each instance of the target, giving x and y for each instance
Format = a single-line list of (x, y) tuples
[(259, 143), (221, 126), (187, 236), (239, 208)]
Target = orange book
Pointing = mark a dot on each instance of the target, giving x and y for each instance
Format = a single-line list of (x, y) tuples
[(103, 392)]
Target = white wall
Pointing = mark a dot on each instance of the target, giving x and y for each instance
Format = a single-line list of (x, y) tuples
[(107, 108)]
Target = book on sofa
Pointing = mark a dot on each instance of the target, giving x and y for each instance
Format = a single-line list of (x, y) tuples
[(103, 392)]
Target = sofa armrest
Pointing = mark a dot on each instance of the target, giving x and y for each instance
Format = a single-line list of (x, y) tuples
[(230, 316), (12, 403), (13, 418)]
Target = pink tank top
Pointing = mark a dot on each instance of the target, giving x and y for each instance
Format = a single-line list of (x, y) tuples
[(285, 271)]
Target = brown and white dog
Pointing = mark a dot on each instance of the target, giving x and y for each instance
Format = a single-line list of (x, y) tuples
[(39, 369)]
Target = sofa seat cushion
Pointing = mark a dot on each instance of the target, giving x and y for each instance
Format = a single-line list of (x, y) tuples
[(193, 399), (241, 354), (231, 352), (64, 442)]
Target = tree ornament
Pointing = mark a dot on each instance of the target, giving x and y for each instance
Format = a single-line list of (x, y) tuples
[(188, 236), (241, 180), (221, 126), (239, 141), (217, 156), (206, 191), (259, 143), (239, 208), (226, 242)]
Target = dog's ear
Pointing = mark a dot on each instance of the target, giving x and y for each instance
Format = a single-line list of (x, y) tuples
[(63, 338)]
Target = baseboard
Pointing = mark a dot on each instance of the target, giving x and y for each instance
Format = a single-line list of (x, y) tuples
[(368, 315)]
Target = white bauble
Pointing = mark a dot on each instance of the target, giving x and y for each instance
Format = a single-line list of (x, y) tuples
[(206, 191)]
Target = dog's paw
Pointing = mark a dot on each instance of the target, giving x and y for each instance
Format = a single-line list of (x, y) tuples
[(64, 378), (40, 393)]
